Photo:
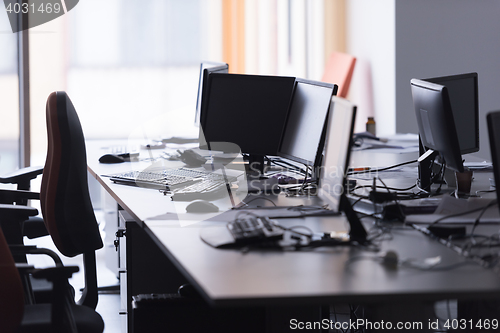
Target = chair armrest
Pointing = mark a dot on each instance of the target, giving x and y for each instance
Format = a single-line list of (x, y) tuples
[(17, 212), (32, 249), (21, 266), (11, 196), (53, 274), (22, 177)]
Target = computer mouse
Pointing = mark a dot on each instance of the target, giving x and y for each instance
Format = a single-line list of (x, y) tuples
[(201, 206), (187, 290), (191, 158), (111, 158)]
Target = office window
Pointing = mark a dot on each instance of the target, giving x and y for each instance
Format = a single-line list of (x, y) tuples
[(9, 98), (126, 64), (282, 37)]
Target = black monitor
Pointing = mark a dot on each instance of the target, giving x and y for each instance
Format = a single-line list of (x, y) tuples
[(338, 143), (206, 68), (247, 110), (436, 125), (302, 139), (464, 101), (493, 120)]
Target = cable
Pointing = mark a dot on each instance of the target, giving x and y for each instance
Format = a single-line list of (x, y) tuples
[(299, 227), (476, 222), (257, 198), (391, 188), (382, 169), (484, 191), (355, 202), (401, 211), (302, 208), (284, 164)]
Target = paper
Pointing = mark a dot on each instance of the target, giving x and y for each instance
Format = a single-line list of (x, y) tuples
[(479, 166), (451, 206)]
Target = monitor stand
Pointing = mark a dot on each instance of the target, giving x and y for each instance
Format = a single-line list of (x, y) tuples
[(256, 166), (358, 232), (425, 160)]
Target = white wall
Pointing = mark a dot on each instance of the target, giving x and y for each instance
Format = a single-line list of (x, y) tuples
[(371, 39), (446, 37)]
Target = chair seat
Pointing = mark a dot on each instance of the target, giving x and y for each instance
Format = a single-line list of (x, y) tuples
[(36, 319)]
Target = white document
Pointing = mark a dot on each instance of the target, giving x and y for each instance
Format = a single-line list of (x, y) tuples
[(451, 206)]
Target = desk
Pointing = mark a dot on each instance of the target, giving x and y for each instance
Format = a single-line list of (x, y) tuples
[(325, 276)]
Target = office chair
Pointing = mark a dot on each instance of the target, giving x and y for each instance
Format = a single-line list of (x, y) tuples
[(22, 177), (34, 226), (338, 70), (64, 195), (62, 315)]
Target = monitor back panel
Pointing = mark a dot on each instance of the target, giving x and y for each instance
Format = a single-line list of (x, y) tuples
[(337, 151), (435, 120), (493, 120), (207, 68), (464, 102)]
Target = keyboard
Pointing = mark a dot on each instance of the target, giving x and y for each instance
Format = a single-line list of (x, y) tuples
[(254, 230), (172, 179), (155, 180), (207, 189)]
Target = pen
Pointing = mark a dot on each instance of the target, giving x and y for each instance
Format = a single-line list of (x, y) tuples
[(360, 169)]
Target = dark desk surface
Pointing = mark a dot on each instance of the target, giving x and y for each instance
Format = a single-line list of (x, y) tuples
[(231, 277)]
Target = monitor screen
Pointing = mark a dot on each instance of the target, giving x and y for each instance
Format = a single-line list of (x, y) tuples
[(493, 120), (206, 68), (247, 110), (338, 142), (435, 121), (464, 101), (305, 121)]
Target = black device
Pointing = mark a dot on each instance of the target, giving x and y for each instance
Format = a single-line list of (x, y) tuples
[(464, 102), (445, 231), (338, 143), (247, 110), (436, 125), (253, 230), (305, 127), (117, 158), (201, 206), (493, 120), (191, 158), (206, 68)]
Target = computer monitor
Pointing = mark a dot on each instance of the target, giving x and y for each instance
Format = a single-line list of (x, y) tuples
[(493, 120), (247, 110), (436, 125), (463, 93), (335, 164), (206, 68), (338, 143), (303, 135)]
